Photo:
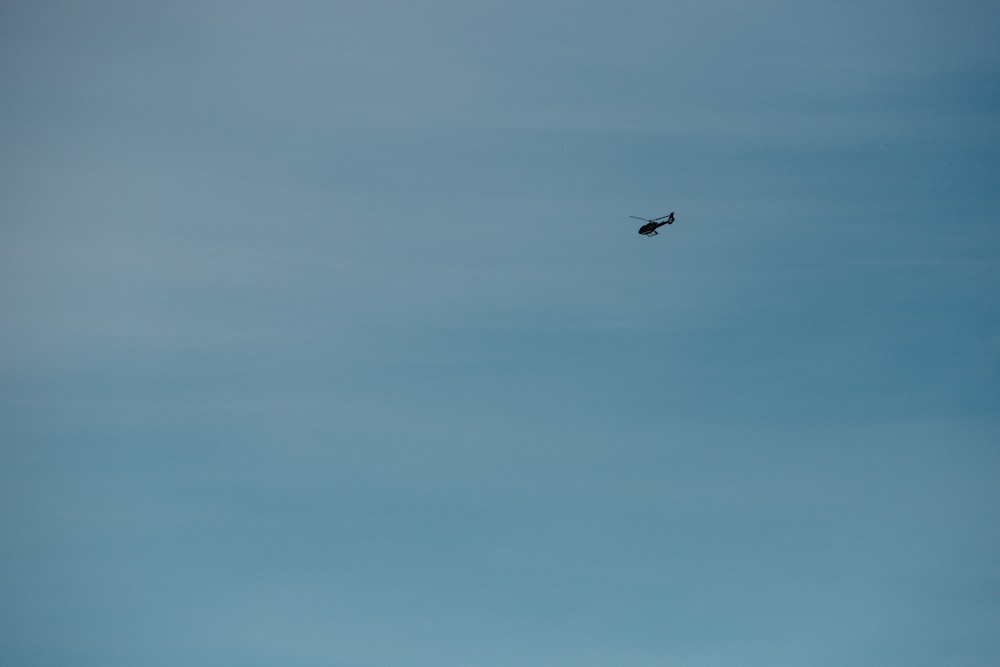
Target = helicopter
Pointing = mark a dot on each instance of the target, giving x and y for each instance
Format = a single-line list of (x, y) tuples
[(649, 229)]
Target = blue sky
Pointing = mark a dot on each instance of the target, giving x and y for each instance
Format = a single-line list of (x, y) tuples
[(327, 338)]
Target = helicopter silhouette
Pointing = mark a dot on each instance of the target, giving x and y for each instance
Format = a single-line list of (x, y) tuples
[(649, 229)]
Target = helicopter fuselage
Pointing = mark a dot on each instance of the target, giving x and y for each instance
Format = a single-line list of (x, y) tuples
[(649, 229)]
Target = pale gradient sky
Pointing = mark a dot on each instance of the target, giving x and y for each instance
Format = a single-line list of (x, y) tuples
[(326, 338)]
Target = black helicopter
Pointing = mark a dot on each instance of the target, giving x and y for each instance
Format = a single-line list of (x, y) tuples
[(649, 229)]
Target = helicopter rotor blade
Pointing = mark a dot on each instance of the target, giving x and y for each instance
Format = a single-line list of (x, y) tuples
[(638, 218), (663, 218)]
